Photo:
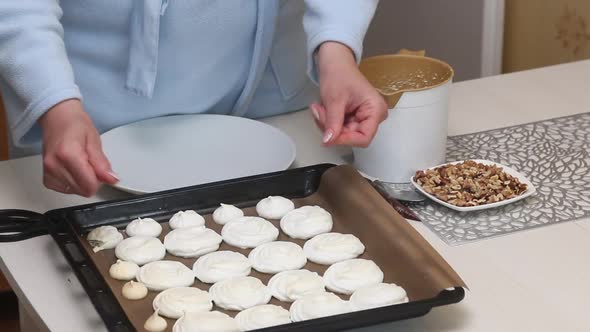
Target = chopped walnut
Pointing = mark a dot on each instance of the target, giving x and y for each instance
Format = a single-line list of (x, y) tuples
[(470, 184)]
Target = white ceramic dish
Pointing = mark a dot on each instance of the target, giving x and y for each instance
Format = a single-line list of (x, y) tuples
[(184, 150), (530, 188)]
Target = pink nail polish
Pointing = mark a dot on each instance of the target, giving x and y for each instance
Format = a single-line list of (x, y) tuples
[(315, 113), (113, 174), (327, 136)]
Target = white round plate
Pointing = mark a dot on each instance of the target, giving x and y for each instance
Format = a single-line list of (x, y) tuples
[(185, 150), (523, 179)]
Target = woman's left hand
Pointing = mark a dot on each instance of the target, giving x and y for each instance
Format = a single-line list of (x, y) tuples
[(351, 109)]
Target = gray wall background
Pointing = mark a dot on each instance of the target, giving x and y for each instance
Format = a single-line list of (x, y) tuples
[(449, 30)]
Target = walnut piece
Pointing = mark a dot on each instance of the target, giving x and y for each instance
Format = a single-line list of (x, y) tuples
[(470, 184)]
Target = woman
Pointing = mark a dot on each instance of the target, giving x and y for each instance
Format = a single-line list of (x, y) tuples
[(72, 69)]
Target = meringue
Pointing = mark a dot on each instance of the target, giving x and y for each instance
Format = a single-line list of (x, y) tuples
[(122, 270), (213, 321), (347, 276), (330, 248), (318, 305), (306, 222), (174, 302), (134, 290), (274, 207), (278, 256), (239, 293), (262, 316), (188, 218), (226, 213), (161, 275), (140, 250), (192, 241), (249, 232), (289, 286), (378, 295), (155, 323), (221, 265), (104, 237), (144, 227)]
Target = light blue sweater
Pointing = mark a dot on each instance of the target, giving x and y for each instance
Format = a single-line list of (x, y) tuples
[(129, 60)]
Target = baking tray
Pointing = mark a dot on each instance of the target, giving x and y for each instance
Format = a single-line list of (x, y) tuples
[(67, 226)]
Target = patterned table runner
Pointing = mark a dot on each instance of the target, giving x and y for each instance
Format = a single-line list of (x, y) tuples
[(554, 154)]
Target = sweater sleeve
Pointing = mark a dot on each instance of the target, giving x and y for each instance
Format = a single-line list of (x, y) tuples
[(343, 21), (34, 67)]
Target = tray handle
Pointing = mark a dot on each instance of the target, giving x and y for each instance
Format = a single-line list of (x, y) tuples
[(18, 225)]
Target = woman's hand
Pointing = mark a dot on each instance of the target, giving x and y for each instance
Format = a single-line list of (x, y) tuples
[(351, 109), (73, 160)]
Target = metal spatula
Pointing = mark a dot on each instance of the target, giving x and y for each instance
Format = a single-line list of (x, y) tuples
[(400, 191), (381, 188)]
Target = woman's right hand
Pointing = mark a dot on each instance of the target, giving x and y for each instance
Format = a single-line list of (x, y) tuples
[(73, 160)]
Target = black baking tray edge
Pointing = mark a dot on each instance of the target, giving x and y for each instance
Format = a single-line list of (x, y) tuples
[(66, 224)]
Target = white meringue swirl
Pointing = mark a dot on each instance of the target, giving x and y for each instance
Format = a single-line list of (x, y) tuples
[(192, 242), (155, 323), (330, 248), (289, 286), (104, 237), (226, 213), (213, 321), (262, 316), (379, 295), (274, 207), (277, 256), (318, 305), (144, 227), (188, 218), (348, 276), (134, 290), (221, 265), (123, 270), (306, 222), (174, 302), (140, 249), (239, 293), (161, 275), (249, 232)]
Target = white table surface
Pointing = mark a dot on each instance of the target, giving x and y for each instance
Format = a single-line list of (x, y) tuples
[(536, 280)]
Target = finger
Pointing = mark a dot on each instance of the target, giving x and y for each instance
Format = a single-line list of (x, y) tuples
[(352, 138), (357, 138), (318, 115), (99, 161), (57, 184), (359, 134), (322, 112), (351, 125), (75, 161), (70, 184), (369, 127), (313, 107), (350, 118), (335, 110), (319, 125), (56, 177), (369, 117), (377, 108)]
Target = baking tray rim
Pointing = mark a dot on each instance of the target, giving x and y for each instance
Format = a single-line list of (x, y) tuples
[(59, 218)]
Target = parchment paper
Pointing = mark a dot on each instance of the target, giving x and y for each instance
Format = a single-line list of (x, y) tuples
[(404, 256)]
